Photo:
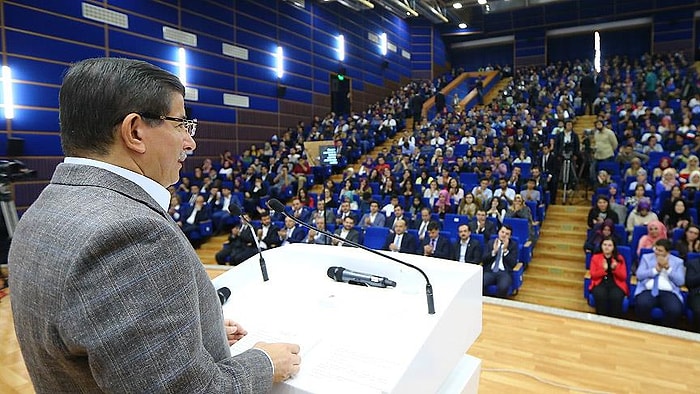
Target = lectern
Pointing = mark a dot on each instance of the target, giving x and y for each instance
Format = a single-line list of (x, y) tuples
[(357, 339)]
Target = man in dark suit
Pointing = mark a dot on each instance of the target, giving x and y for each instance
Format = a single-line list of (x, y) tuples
[(197, 214), (291, 233), (347, 231), (299, 211), (398, 215), (125, 137), (482, 226), (421, 224), (434, 245), (240, 246), (466, 249), (550, 165), (400, 240), (499, 259), (268, 233)]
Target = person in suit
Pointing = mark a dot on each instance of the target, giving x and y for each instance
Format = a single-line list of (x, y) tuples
[(421, 224), (466, 249), (373, 218), (321, 214), (550, 165), (399, 214), (499, 259), (299, 211), (347, 231), (317, 237), (239, 247), (291, 233), (660, 276), (125, 137), (399, 240), (433, 245), (195, 215), (482, 226), (268, 233)]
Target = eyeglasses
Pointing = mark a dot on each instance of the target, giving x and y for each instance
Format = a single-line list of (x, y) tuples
[(189, 125)]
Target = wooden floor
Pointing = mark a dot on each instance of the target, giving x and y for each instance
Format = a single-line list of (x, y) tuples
[(522, 352)]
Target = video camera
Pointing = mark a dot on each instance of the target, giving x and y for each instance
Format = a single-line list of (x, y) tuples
[(14, 170)]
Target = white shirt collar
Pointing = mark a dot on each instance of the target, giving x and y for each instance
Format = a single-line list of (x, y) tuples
[(160, 194)]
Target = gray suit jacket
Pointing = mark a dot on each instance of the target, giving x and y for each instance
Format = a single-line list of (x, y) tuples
[(108, 295)]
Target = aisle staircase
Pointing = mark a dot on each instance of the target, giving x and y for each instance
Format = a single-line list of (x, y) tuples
[(555, 274)]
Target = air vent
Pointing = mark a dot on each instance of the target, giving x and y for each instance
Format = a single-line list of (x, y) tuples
[(191, 94), (180, 36), (103, 15), (373, 38), (235, 100), (406, 54), (391, 47), (234, 51)]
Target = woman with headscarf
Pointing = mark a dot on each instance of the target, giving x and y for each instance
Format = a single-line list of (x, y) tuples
[(655, 231), (641, 215), (443, 204), (664, 163), (692, 186), (678, 217)]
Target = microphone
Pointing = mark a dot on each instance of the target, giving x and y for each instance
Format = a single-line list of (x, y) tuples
[(277, 206), (224, 293), (340, 274), (236, 210)]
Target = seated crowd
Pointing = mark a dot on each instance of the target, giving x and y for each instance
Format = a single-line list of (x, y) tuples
[(487, 166), (643, 243)]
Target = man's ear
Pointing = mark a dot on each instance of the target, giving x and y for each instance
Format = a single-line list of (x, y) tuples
[(130, 132)]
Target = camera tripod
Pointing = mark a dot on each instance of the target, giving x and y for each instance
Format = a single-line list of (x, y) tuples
[(568, 177), (10, 218)]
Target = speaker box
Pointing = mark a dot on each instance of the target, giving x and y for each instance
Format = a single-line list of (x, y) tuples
[(281, 91), (15, 147), (385, 64)]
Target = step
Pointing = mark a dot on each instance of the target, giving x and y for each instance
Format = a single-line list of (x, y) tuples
[(556, 273)]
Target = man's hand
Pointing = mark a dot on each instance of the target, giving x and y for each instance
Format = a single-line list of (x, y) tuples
[(285, 359), (234, 331)]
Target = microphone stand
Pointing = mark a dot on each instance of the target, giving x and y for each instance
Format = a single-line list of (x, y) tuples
[(275, 205), (236, 210)]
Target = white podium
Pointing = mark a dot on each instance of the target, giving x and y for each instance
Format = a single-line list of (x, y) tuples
[(358, 339)]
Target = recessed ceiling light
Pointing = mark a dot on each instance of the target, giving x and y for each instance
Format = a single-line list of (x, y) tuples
[(462, 25), (457, 5), (482, 2)]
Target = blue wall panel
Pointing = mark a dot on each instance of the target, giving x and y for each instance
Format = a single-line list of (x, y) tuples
[(256, 86), (254, 41), (213, 114), (61, 7), (254, 71), (294, 25), (39, 22), (214, 11), (41, 144), (35, 95), (36, 70), (196, 23), (125, 42), (262, 28), (208, 61), (163, 12), (47, 48), (148, 27), (35, 120), (202, 78)]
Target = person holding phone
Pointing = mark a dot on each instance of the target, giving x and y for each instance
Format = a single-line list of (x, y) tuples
[(499, 259)]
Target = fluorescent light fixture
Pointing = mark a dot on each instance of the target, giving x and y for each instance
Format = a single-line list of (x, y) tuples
[(596, 59), (439, 15), (280, 62), (462, 25), (7, 92), (457, 5), (383, 44), (340, 42), (481, 2), (182, 65)]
